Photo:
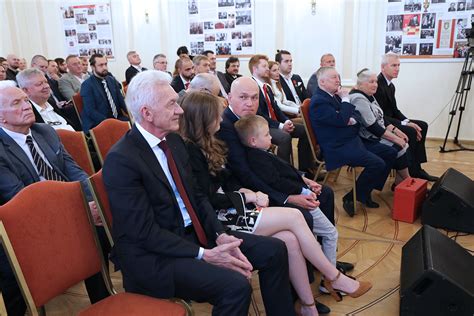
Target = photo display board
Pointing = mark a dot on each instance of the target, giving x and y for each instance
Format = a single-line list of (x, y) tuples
[(87, 28), (223, 26), (428, 28)]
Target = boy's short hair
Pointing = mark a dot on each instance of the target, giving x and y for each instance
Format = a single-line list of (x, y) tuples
[(248, 126)]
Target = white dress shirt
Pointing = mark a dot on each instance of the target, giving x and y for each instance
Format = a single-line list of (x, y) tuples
[(292, 87), (52, 118), (260, 85)]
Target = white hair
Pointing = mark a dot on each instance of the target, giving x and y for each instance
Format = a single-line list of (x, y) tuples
[(142, 90), (364, 75), (386, 57), (24, 77), (4, 85), (204, 82), (322, 73)]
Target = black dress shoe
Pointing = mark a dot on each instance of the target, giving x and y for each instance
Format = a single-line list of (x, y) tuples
[(348, 204), (344, 267), (425, 175), (322, 309), (371, 204)]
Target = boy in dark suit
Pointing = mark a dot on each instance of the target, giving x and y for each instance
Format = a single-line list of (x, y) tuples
[(254, 133)]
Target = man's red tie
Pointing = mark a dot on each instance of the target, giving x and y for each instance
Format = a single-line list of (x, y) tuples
[(271, 112), (186, 86), (184, 195)]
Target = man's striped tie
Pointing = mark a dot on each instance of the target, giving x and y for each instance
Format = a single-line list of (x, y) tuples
[(43, 169)]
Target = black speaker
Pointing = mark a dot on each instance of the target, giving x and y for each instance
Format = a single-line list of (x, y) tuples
[(436, 276), (450, 203)]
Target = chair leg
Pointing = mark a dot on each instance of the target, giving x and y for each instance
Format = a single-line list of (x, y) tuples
[(320, 167), (354, 193), (337, 174)]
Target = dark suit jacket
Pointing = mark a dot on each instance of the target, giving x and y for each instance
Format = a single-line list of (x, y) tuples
[(177, 84), (148, 226), (277, 173), (329, 120), (209, 184), (225, 84), (263, 109), (385, 97), (17, 171), (39, 118), (237, 161), (54, 85), (96, 105), (11, 75), (131, 72), (299, 87)]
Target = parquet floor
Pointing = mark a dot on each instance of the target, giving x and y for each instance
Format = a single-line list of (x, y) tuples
[(371, 240)]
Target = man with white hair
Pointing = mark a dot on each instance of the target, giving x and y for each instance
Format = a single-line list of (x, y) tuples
[(332, 119), (168, 241), (161, 63), (134, 59), (21, 139), (13, 65), (416, 130), (33, 82)]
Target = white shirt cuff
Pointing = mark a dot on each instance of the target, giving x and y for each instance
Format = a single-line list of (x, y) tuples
[(280, 126), (306, 191), (345, 99), (405, 121), (200, 254)]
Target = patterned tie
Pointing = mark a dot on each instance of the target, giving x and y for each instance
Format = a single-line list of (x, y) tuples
[(43, 169), (182, 192), (271, 112), (111, 100)]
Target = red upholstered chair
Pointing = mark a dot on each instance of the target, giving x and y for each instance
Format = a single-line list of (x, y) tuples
[(48, 235), (313, 141), (101, 199), (78, 105), (76, 145), (106, 134)]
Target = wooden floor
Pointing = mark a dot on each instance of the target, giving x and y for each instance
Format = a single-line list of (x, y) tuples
[(371, 240)]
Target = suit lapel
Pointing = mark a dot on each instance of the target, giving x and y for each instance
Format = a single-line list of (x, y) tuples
[(149, 157), (286, 89), (18, 153)]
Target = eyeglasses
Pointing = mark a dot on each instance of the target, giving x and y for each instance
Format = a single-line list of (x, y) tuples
[(55, 123)]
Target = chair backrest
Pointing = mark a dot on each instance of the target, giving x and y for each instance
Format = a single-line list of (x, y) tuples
[(313, 141), (106, 134), (76, 145), (101, 199), (49, 229), (78, 105)]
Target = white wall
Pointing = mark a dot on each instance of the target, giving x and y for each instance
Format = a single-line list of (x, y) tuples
[(353, 30)]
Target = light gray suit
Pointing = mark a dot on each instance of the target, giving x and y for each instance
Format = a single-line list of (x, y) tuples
[(69, 85)]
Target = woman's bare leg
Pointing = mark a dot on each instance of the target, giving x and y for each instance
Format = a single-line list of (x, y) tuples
[(298, 275), (277, 219)]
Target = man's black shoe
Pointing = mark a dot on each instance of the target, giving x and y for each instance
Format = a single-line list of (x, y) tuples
[(348, 204), (344, 267), (322, 309), (371, 204), (425, 175)]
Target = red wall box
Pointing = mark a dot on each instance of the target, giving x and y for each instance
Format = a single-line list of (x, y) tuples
[(408, 199)]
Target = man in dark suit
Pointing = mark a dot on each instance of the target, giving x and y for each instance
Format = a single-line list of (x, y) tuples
[(101, 95), (292, 84), (282, 128), (168, 241), (416, 130), (327, 60), (243, 101), (20, 139), (338, 135), (232, 66), (135, 61), (161, 63), (185, 74), (13, 64)]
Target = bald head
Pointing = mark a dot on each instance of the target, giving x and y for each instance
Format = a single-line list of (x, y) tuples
[(243, 96)]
